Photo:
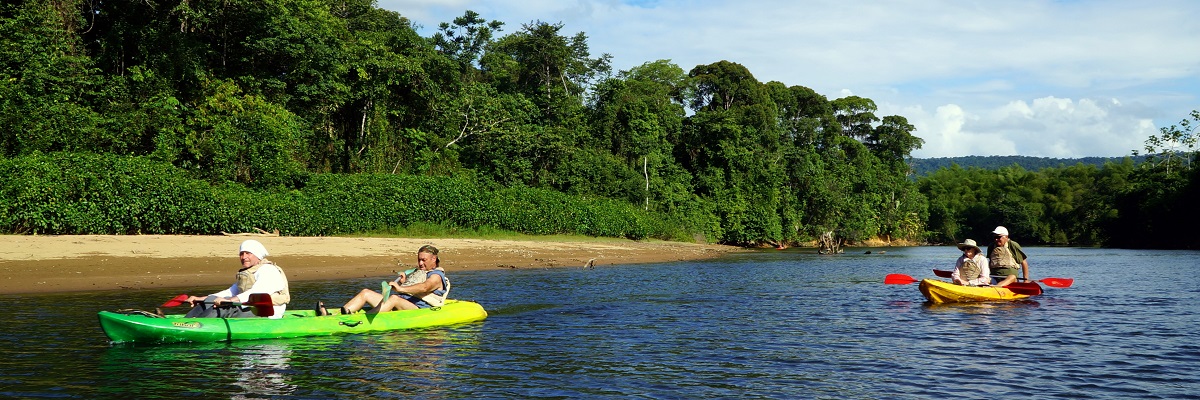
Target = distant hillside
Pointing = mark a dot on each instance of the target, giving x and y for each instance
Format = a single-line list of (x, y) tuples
[(923, 166)]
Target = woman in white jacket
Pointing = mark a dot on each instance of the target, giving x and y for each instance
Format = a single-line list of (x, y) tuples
[(971, 269)]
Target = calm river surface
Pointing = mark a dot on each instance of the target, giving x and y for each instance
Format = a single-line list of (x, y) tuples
[(772, 324)]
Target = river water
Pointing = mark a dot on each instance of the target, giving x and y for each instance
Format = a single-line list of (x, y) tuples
[(771, 324)]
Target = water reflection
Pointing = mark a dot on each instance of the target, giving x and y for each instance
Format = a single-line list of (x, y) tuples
[(803, 327), (989, 307), (395, 364), (263, 370)]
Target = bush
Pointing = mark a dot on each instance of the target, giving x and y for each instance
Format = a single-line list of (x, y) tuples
[(67, 193)]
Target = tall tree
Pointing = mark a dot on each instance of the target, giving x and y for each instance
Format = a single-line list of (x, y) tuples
[(893, 142), (465, 39), (732, 145), (633, 117), (552, 72), (47, 82), (547, 67), (857, 115)]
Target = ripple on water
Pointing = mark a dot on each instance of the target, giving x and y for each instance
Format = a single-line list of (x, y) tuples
[(760, 325)]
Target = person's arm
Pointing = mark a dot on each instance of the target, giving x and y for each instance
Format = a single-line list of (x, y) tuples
[(955, 276), (428, 286), (1016, 250), (218, 295), (267, 280), (985, 271)]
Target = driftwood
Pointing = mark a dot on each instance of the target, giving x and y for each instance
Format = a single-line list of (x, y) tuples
[(829, 244), (260, 233)]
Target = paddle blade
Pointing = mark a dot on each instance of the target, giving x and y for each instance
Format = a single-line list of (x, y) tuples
[(178, 300), (385, 289), (262, 303), (1026, 288), (898, 279), (941, 273), (1058, 282)]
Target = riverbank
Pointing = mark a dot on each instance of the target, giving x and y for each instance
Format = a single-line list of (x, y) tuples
[(38, 264)]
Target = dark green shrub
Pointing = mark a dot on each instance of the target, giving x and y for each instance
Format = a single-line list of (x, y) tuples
[(68, 193)]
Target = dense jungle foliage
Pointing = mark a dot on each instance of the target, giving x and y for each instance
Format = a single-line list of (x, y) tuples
[(321, 118), (925, 166), (1148, 204)]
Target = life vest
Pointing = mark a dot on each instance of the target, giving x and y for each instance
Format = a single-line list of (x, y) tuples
[(1001, 257), (436, 298), (245, 280), (414, 276), (1002, 261), (970, 271)]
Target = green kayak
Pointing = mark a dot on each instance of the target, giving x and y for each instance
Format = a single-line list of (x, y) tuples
[(143, 327)]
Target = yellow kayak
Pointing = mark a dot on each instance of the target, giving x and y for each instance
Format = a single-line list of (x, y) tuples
[(948, 292)]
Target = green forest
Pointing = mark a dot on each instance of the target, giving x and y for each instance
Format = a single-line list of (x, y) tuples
[(925, 166), (325, 118)]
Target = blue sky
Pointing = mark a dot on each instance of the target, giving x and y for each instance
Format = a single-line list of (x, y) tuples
[(1061, 79)]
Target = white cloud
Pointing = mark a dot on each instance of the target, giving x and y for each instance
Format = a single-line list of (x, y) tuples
[(1045, 127), (1031, 77)]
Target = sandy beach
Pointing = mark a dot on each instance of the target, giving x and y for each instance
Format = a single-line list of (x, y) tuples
[(38, 264)]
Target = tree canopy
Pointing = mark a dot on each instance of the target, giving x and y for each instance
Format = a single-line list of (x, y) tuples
[(273, 96)]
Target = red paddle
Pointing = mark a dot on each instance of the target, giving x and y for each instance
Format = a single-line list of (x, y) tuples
[(1052, 282), (177, 301), (1057, 282), (898, 279), (1026, 288), (263, 306), (1029, 288)]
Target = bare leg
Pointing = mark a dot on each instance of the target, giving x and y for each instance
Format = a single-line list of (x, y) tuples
[(364, 297), (394, 303), (1007, 280)]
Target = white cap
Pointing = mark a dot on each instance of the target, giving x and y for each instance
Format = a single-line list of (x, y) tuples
[(1000, 230), (255, 248)]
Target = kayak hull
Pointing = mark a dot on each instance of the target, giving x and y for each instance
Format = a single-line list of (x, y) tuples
[(140, 328), (947, 292)]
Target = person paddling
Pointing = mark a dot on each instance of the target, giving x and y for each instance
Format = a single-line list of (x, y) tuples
[(425, 287), (257, 275), (1006, 258)]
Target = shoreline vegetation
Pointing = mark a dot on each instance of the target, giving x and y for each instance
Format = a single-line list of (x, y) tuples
[(342, 119), (80, 263)]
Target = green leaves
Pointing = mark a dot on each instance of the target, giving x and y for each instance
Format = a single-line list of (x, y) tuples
[(236, 138), (317, 117), (79, 193), (68, 193)]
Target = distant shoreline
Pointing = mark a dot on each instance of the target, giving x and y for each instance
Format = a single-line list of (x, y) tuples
[(73, 263)]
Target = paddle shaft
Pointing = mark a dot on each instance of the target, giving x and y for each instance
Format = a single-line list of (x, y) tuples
[(1026, 288), (261, 302), (1051, 282)]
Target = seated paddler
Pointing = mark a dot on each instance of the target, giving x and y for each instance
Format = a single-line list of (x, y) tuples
[(424, 287), (971, 269), (257, 275)]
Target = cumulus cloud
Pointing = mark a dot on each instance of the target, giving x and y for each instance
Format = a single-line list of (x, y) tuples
[(1030, 77), (1043, 127)]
